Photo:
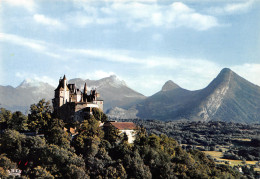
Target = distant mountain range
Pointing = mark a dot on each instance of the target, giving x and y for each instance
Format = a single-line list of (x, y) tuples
[(113, 91), (27, 93), (228, 97)]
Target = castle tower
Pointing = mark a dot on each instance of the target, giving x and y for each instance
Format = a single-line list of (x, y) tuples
[(66, 90), (61, 93)]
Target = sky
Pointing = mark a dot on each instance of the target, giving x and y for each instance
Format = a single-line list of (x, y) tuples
[(143, 42)]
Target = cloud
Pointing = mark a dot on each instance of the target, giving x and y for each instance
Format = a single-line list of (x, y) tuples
[(82, 20), (33, 44), (27, 4), (36, 45), (233, 8), (111, 55), (108, 55), (138, 15), (181, 15), (190, 73), (128, 57), (42, 19)]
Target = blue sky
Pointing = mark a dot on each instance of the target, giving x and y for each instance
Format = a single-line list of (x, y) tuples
[(145, 43)]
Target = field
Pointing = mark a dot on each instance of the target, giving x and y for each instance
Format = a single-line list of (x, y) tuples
[(218, 156)]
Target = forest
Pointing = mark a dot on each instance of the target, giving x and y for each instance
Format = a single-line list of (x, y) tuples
[(40, 146)]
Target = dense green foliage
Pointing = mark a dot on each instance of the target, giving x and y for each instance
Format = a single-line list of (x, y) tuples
[(94, 152)]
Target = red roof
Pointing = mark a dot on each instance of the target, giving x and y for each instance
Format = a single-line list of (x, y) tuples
[(124, 125)]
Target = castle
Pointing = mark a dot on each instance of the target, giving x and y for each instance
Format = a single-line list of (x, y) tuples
[(70, 103)]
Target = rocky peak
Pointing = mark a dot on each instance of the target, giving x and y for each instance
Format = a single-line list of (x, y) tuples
[(225, 74), (169, 85), (30, 83), (113, 80)]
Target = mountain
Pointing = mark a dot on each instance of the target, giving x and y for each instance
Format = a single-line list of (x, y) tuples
[(113, 91), (228, 97), (27, 93), (169, 85)]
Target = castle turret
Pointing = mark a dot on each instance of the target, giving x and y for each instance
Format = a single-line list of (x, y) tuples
[(64, 80), (85, 89)]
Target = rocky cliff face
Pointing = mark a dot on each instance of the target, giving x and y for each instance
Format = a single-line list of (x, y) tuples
[(214, 94)]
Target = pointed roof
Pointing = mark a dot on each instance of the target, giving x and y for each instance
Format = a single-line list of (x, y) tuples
[(62, 85), (85, 88)]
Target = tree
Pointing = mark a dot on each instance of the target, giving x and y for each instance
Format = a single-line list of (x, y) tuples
[(33, 148), (111, 134), (5, 118), (141, 138), (18, 122), (154, 141), (40, 115), (12, 144), (5, 165), (99, 115), (39, 172), (90, 127), (58, 160), (89, 137), (55, 134), (168, 144), (135, 167)]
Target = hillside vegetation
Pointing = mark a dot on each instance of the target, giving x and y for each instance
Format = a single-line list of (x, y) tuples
[(94, 152)]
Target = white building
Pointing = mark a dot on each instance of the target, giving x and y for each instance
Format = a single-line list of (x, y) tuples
[(129, 128)]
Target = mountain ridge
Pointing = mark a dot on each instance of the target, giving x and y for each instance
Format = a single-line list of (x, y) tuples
[(114, 91), (228, 97)]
